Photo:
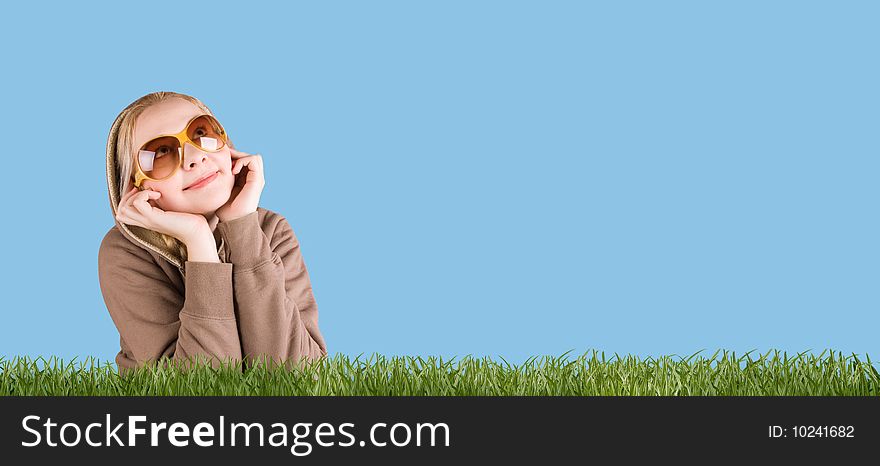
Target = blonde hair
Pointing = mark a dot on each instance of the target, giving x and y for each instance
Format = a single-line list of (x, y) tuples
[(125, 150)]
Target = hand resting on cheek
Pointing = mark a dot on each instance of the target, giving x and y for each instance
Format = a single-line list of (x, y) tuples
[(138, 208), (249, 184)]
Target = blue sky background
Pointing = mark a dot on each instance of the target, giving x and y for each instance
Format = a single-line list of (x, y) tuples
[(487, 178)]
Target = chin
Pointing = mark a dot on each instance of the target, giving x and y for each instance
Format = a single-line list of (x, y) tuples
[(211, 204)]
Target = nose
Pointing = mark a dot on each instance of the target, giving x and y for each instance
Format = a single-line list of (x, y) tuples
[(192, 155)]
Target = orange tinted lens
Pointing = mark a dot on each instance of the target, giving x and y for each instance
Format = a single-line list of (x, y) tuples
[(206, 132), (160, 157)]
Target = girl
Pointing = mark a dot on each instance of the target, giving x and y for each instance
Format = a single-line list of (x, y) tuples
[(193, 267)]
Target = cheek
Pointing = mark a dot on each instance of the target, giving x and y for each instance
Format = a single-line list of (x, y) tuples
[(224, 161), (172, 203), (170, 199)]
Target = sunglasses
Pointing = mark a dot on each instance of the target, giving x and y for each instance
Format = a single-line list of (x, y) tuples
[(160, 158)]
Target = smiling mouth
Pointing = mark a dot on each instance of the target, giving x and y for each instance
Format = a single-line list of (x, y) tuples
[(203, 181)]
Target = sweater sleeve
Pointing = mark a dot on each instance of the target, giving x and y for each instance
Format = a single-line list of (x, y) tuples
[(155, 320), (277, 311)]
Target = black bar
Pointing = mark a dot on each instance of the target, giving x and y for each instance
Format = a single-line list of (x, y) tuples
[(520, 429)]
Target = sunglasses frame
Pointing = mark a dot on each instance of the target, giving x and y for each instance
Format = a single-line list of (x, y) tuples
[(182, 138)]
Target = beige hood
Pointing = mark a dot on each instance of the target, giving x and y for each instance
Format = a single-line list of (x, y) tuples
[(143, 237)]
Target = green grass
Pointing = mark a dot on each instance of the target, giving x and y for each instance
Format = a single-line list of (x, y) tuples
[(773, 373)]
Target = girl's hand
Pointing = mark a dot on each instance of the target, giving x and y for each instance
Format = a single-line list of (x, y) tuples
[(135, 209), (248, 186)]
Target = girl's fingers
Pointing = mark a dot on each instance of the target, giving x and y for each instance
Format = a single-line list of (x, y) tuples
[(253, 162), (123, 217), (132, 222), (131, 197), (129, 213), (127, 208), (127, 195), (141, 202), (237, 154), (133, 217), (239, 164), (135, 209)]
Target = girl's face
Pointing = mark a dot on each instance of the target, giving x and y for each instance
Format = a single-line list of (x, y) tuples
[(170, 117)]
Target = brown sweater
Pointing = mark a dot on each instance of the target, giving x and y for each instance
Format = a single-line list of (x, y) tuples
[(256, 303)]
